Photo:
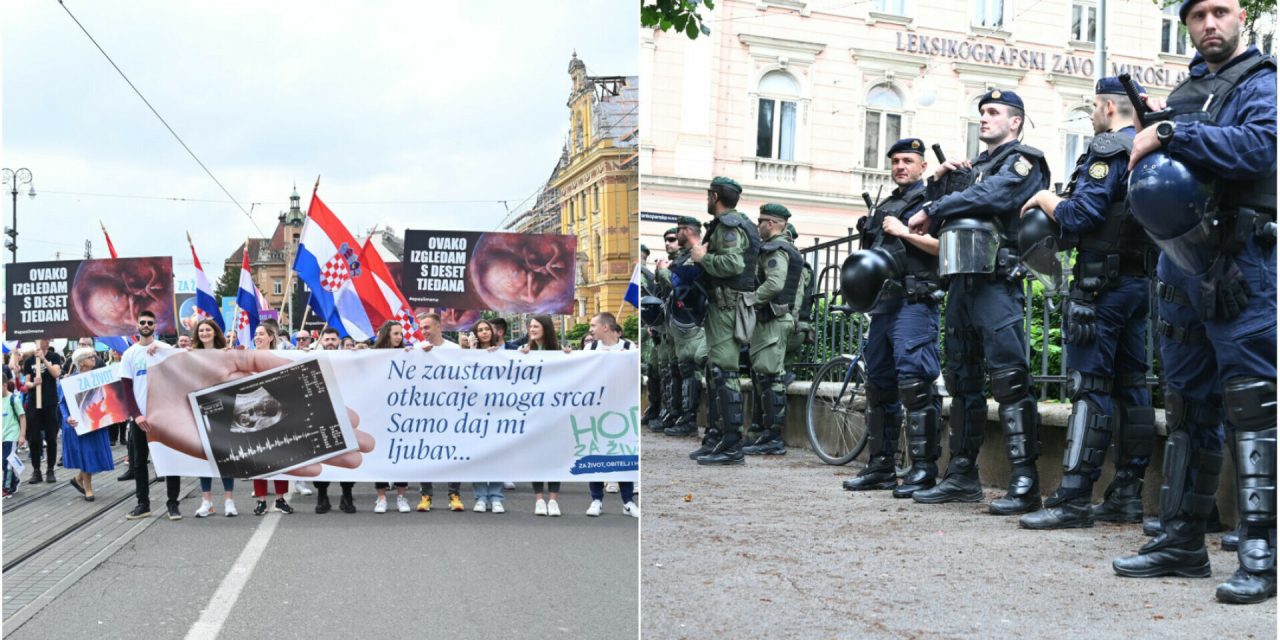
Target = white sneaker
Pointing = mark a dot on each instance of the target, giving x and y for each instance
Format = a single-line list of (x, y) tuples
[(480, 506), (303, 487), (553, 509), (610, 487), (498, 508), (540, 507), (594, 509), (229, 509), (631, 509), (205, 510), (402, 504), (380, 506), (509, 486)]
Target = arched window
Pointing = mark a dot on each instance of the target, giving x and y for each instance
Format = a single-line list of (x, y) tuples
[(776, 120), (1078, 135), (883, 124)]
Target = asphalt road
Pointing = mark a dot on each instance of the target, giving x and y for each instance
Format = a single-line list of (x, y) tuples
[(776, 548), (438, 574)]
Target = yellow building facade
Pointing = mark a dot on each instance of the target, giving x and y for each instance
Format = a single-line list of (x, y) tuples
[(597, 185)]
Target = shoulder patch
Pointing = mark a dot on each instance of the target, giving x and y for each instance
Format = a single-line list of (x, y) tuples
[(773, 262), (1022, 167), (730, 237), (1099, 170)]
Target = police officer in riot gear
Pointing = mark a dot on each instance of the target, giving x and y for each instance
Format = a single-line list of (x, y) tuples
[(901, 348), (727, 256), (1217, 298), (985, 307), (663, 354), (1106, 318), (778, 271), (652, 412), (684, 326)]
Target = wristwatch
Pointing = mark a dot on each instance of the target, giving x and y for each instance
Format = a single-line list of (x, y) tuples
[(1164, 132)]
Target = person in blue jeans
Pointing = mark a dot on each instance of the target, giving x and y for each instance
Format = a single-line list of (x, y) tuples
[(627, 491), (488, 495), (15, 432)]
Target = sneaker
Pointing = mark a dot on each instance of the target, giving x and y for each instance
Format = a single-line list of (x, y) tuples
[(205, 510), (139, 512), (631, 509), (402, 504), (380, 506), (303, 487), (481, 506), (540, 507), (509, 486), (455, 503), (260, 508), (594, 509), (424, 504), (283, 507), (553, 508), (322, 505), (498, 508), (174, 514), (229, 509), (610, 487)]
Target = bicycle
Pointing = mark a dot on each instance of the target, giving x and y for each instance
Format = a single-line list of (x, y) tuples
[(836, 395)]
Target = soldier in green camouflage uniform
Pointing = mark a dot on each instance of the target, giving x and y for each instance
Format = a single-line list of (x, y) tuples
[(652, 412), (684, 330), (728, 260), (664, 351), (778, 272)]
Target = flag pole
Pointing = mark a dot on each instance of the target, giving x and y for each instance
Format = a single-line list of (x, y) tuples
[(288, 283)]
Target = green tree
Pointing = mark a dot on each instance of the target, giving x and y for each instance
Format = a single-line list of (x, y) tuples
[(229, 282), (631, 328), (681, 14)]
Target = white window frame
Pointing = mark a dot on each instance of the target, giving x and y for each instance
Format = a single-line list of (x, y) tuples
[(979, 7), (882, 126), (1075, 138), (277, 287), (780, 102), (1088, 10), (892, 7), (1169, 20)]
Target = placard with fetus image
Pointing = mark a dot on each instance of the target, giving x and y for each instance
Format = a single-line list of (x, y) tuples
[(274, 421), (505, 272)]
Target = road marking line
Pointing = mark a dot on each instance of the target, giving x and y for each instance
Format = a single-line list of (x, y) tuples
[(224, 599)]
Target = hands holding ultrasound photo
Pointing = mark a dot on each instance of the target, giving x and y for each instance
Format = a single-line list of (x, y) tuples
[(231, 407)]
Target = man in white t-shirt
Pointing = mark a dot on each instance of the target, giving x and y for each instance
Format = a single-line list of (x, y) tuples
[(433, 330), (133, 371), (608, 334)]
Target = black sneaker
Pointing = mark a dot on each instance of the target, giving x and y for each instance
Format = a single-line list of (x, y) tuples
[(283, 507), (173, 512), (36, 477), (322, 505), (50, 477), (139, 512), (261, 508), (128, 475), (347, 505)]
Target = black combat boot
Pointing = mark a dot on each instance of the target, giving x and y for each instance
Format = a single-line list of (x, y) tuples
[(879, 474), (726, 452), (959, 485), (1122, 501), (1178, 551)]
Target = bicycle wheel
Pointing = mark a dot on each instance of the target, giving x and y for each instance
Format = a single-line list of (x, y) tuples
[(837, 430)]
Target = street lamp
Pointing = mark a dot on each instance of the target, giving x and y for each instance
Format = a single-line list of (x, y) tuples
[(15, 178)]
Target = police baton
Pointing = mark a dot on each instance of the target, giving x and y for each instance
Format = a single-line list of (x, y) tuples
[(1145, 115), (937, 151)]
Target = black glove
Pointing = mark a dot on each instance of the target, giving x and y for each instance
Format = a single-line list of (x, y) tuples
[(1223, 291), (1082, 323)]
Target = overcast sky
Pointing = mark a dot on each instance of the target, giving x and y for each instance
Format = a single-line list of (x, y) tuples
[(387, 101)]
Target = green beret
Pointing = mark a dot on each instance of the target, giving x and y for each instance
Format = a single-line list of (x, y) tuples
[(670, 232), (689, 221), (775, 210), (644, 249), (791, 231), (726, 182)]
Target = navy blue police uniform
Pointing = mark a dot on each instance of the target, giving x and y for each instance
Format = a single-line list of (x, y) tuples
[(901, 350), (1218, 327), (1106, 347), (984, 323)]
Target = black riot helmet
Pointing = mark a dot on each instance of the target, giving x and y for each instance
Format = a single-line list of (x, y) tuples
[(864, 277), (1039, 249), (688, 306), (651, 313), (1169, 200)]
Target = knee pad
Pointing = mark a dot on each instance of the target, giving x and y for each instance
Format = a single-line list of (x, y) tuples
[(688, 369), (957, 386), (1250, 403), (1088, 432), (1010, 385), (879, 396), (1135, 434), (1080, 383), (916, 393), (1178, 413)]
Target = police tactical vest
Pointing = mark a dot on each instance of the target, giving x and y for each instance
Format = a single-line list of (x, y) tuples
[(795, 268), (1008, 223), (911, 259), (1119, 242), (1201, 100), (745, 281)]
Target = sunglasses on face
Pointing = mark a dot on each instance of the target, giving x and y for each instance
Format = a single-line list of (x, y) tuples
[(669, 239), (146, 323)]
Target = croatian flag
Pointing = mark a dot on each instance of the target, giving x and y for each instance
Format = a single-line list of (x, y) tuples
[(206, 304), (119, 344), (395, 300), (246, 304), (329, 262), (633, 289)]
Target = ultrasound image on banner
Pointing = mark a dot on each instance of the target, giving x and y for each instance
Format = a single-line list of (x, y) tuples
[(274, 421)]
